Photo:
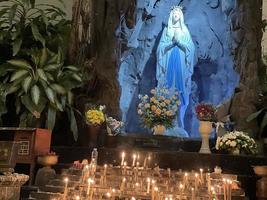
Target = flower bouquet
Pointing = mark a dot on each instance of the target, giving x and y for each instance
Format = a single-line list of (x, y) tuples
[(236, 141), (95, 117), (113, 126), (206, 112), (159, 109)]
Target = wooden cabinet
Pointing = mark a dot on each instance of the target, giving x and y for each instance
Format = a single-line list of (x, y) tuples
[(31, 143)]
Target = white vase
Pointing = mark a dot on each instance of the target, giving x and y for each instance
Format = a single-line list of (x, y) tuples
[(205, 129), (159, 129)]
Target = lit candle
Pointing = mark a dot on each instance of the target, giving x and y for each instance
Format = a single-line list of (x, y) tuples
[(122, 158), (230, 189), (224, 189), (91, 195), (148, 185), (185, 179), (155, 193), (196, 181), (134, 159), (108, 194), (66, 180), (181, 188), (149, 159), (193, 193), (105, 169), (145, 160), (201, 176), (77, 198), (124, 168), (209, 182), (89, 181), (122, 184), (169, 172)]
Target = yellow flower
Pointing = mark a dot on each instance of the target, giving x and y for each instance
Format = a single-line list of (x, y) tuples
[(153, 99), (158, 112), (167, 101), (169, 113), (163, 104), (95, 117), (153, 108)]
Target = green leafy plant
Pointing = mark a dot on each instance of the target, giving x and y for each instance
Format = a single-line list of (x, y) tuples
[(31, 72), (42, 87), (25, 25)]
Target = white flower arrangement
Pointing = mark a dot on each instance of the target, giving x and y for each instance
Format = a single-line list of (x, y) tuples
[(236, 140)]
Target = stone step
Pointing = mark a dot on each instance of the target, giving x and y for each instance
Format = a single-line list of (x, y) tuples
[(70, 177), (60, 182), (45, 195), (52, 189)]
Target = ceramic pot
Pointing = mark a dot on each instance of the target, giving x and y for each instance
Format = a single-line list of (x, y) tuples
[(205, 129), (159, 129)]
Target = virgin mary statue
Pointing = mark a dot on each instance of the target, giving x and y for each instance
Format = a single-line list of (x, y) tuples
[(175, 56)]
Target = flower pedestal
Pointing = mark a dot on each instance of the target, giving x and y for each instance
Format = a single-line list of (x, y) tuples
[(159, 130), (205, 129)]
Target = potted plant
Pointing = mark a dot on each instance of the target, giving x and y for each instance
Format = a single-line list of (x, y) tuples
[(33, 70), (158, 111), (94, 118), (235, 142), (206, 116)]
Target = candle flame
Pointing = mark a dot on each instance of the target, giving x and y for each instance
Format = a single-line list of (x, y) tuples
[(66, 180)]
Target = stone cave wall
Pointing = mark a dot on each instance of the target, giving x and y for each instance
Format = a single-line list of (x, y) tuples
[(122, 60), (214, 78)]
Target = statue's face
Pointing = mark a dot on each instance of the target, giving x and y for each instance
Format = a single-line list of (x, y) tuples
[(175, 17)]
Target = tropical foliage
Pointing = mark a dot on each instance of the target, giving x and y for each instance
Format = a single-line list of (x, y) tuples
[(33, 40)]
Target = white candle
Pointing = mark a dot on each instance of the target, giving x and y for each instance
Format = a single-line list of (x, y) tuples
[(122, 184), (185, 179), (145, 160), (134, 159), (201, 176), (66, 180), (224, 189), (169, 172), (196, 181), (124, 168), (122, 158), (181, 188), (148, 185), (77, 198), (89, 181), (105, 169), (209, 182), (193, 193)]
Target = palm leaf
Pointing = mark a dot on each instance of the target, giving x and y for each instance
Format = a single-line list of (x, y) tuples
[(16, 46), (37, 35), (12, 13), (18, 74), (41, 74), (263, 123), (73, 124), (26, 83), (50, 94), (254, 115), (20, 63), (58, 88), (52, 67), (51, 118), (35, 94)]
